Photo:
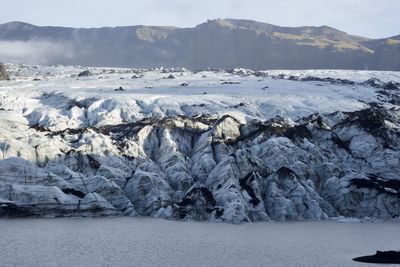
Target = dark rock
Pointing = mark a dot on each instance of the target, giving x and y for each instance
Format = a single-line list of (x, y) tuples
[(390, 86), (39, 128), (385, 93), (199, 105), (376, 83), (340, 143), (14, 210), (3, 73), (198, 203), (395, 100), (85, 73), (199, 191), (74, 192), (373, 82), (285, 172), (328, 79), (245, 184), (119, 89), (387, 257), (373, 120), (279, 128), (93, 162), (241, 104), (382, 186), (229, 82), (297, 132), (184, 84)]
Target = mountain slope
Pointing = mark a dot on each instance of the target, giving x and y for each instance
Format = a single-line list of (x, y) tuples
[(386, 53), (221, 43)]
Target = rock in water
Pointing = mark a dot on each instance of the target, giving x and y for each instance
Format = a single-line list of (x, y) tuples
[(385, 257)]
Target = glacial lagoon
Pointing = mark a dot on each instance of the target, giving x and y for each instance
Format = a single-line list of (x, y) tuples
[(124, 241)]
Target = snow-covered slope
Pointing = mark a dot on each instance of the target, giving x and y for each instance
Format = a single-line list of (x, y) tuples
[(210, 145)]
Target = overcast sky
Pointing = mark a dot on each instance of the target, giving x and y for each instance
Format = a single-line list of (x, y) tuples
[(370, 18)]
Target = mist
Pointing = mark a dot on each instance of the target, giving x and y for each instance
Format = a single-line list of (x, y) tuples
[(34, 52)]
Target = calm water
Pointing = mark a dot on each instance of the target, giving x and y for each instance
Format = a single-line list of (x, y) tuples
[(152, 242)]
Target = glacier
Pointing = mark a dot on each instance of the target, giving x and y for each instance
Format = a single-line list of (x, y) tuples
[(227, 146)]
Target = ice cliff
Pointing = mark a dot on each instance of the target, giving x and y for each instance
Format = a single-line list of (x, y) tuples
[(263, 146)]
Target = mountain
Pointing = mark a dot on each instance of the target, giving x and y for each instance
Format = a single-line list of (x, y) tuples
[(220, 43), (386, 53)]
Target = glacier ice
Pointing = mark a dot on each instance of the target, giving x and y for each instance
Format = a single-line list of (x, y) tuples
[(297, 149)]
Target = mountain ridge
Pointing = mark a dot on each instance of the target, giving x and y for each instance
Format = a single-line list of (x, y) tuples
[(218, 43)]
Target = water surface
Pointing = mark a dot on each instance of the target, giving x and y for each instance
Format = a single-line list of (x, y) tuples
[(152, 242)]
